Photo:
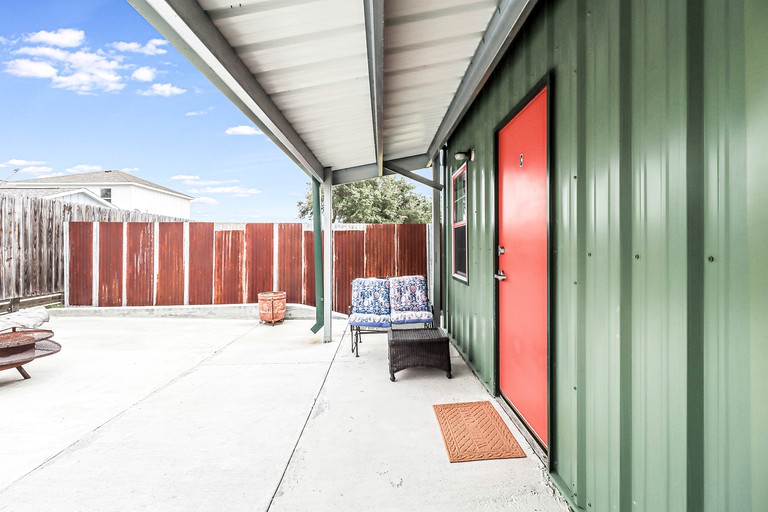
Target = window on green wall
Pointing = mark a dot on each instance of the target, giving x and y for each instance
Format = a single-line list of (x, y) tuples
[(459, 222)]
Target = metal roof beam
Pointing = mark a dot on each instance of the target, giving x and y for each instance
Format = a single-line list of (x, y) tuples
[(412, 175), (502, 29), (374, 30), (189, 28), (369, 171), (358, 173), (410, 163)]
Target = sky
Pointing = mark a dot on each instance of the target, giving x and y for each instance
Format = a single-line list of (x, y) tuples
[(90, 85)]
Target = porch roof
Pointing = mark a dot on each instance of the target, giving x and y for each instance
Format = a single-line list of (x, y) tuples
[(358, 88)]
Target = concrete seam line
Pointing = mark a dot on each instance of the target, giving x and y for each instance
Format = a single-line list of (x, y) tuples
[(304, 427), (118, 415)]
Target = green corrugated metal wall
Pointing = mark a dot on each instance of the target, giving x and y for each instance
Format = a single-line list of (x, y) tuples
[(659, 161)]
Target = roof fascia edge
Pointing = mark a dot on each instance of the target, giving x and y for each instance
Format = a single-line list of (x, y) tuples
[(187, 26), (84, 191), (374, 29), (502, 29)]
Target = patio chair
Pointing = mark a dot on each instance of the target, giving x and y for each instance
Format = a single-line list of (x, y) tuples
[(369, 312), (409, 302)]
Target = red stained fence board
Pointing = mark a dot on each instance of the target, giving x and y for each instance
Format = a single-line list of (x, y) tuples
[(411, 249), (349, 254), (379, 250), (110, 264), (200, 263), (170, 264), (289, 257), (140, 264), (228, 267), (81, 263), (259, 258)]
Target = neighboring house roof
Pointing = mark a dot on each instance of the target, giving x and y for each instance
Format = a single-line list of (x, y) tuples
[(55, 193), (97, 178)]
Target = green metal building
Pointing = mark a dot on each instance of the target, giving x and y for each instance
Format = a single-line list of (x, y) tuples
[(658, 191)]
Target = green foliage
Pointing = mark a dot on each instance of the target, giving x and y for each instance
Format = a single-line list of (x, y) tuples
[(387, 200)]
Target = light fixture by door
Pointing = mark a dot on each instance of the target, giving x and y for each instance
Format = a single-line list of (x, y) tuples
[(465, 155)]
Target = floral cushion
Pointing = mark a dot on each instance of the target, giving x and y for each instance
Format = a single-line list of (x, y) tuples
[(369, 320), (409, 293), (412, 317), (370, 296)]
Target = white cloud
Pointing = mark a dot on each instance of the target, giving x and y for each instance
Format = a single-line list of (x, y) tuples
[(4, 40), (17, 162), (153, 47), (51, 175), (83, 168), (200, 112), (81, 71), (129, 169), (236, 191), (144, 74), (165, 90), (36, 169), (44, 51), (205, 200), (242, 130), (30, 69), (195, 180), (64, 37)]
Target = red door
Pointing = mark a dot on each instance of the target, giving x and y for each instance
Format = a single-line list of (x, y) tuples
[(523, 264)]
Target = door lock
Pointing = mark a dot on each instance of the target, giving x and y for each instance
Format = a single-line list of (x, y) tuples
[(500, 275)]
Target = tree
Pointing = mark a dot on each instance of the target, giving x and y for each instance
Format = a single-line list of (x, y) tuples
[(387, 200)]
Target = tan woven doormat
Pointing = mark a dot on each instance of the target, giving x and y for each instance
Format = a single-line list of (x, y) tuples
[(474, 431)]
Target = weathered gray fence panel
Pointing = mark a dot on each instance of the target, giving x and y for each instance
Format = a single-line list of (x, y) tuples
[(32, 241)]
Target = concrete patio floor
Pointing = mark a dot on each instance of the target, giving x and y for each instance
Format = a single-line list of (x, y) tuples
[(229, 415)]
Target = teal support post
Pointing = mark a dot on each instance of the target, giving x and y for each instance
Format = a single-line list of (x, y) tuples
[(317, 221)]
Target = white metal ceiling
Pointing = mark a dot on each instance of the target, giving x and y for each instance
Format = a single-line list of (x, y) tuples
[(310, 57), (302, 70), (428, 45)]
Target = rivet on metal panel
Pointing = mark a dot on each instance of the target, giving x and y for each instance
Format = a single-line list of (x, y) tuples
[(574, 388), (575, 177), (637, 256), (575, 282), (711, 259), (589, 254)]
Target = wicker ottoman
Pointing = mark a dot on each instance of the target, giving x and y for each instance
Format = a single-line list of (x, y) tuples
[(418, 347)]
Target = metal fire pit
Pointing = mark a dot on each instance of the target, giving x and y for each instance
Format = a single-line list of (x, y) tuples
[(18, 348)]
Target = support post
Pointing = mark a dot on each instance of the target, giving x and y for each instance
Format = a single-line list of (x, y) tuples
[(318, 231), (436, 239), (328, 258)]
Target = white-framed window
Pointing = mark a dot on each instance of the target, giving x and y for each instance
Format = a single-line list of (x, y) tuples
[(106, 194), (459, 223)]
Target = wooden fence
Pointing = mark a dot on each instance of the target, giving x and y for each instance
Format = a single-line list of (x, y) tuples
[(176, 263), (32, 241)]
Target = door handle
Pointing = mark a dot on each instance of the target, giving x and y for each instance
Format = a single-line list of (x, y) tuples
[(500, 275)]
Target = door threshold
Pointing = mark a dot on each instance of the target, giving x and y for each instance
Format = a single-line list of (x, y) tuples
[(536, 447)]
